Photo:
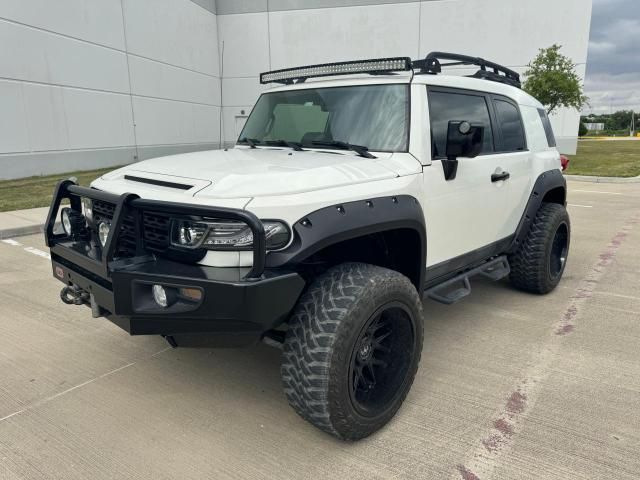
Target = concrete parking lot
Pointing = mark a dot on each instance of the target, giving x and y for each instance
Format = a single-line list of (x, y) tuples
[(511, 386)]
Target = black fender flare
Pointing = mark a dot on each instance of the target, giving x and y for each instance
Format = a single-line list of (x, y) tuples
[(546, 182), (339, 222)]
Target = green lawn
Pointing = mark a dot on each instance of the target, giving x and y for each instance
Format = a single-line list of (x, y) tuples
[(35, 192), (606, 158)]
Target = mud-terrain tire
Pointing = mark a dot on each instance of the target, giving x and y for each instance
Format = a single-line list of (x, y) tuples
[(352, 349), (538, 264)]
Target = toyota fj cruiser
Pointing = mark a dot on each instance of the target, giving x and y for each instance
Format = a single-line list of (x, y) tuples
[(344, 201)]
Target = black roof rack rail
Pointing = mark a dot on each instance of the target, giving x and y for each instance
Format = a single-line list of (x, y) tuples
[(376, 66), (432, 65)]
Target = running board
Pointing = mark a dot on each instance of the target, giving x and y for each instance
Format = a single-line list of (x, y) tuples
[(458, 287)]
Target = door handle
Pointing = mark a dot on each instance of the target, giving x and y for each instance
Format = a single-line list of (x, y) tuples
[(496, 177)]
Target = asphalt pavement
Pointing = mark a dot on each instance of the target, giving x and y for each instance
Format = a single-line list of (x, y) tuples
[(511, 385)]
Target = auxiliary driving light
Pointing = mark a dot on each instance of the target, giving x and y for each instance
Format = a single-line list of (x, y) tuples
[(103, 233), (164, 297), (73, 222)]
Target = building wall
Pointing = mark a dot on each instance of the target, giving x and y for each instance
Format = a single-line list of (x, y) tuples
[(95, 83)]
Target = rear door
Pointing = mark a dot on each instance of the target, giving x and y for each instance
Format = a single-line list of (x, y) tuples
[(516, 159), (464, 216)]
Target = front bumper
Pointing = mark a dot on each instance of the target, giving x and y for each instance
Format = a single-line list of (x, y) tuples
[(237, 305)]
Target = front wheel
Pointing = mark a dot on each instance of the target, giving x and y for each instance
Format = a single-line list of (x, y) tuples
[(537, 266), (352, 349)]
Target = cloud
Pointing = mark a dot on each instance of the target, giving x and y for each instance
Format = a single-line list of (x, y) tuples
[(613, 64), (613, 92)]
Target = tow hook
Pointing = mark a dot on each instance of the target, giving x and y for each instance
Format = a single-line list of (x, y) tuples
[(74, 296)]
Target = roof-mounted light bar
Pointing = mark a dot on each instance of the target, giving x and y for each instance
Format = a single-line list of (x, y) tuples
[(373, 66)]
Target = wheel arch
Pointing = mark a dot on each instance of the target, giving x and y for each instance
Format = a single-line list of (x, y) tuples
[(549, 187), (384, 231)]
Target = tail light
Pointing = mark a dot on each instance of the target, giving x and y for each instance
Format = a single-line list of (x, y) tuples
[(564, 161)]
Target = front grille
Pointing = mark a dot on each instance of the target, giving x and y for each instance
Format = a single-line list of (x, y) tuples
[(155, 229)]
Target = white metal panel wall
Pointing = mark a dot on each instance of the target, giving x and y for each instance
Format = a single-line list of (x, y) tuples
[(92, 83)]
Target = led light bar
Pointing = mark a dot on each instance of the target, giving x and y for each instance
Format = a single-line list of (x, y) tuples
[(373, 66)]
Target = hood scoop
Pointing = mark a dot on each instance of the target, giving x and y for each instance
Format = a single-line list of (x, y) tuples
[(159, 183)]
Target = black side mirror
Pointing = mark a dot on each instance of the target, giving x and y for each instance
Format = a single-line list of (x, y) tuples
[(463, 140)]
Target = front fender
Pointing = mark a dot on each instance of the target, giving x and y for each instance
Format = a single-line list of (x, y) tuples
[(346, 221)]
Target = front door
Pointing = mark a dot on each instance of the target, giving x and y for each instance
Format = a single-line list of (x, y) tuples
[(466, 214)]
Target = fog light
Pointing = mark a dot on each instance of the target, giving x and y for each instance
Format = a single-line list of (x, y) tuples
[(164, 297), (103, 232)]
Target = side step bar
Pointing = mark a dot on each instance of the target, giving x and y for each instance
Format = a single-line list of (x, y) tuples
[(458, 287)]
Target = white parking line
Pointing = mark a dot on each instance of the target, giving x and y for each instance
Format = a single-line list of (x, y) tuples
[(10, 241), (33, 250), (40, 253), (596, 191), (581, 206)]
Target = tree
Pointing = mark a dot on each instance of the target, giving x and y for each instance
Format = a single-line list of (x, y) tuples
[(553, 80), (582, 130)]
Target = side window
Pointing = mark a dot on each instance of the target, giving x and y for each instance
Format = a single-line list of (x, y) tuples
[(447, 106), (513, 139), (551, 139)]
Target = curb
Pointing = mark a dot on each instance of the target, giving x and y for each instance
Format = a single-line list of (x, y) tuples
[(594, 179), (22, 231)]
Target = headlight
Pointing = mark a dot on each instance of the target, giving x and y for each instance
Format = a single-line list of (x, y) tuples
[(226, 234)]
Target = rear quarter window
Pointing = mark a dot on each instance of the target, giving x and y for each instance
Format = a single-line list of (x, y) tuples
[(546, 123)]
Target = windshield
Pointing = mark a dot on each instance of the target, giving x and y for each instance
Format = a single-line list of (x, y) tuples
[(373, 116)]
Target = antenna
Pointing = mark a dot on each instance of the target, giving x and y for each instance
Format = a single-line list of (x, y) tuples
[(221, 131)]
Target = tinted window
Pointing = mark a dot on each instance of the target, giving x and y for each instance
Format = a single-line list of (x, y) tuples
[(444, 107), (551, 139), (511, 126), (376, 116)]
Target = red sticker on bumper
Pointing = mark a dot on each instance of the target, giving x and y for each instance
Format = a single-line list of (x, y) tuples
[(59, 272)]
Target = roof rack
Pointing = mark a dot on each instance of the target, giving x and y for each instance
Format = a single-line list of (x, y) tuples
[(377, 66), (432, 65)]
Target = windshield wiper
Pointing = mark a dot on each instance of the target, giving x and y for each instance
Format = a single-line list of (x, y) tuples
[(252, 142), (297, 146), (359, 149)]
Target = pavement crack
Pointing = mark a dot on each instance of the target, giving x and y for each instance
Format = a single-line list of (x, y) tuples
[(48, 399)]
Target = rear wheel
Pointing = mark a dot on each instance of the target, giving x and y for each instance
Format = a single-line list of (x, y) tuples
[(352, 349), (537, 266)]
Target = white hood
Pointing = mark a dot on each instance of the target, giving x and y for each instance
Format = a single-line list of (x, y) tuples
[(245, 173)]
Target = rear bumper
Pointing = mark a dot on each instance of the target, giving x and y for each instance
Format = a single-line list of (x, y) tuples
[(232, 311)]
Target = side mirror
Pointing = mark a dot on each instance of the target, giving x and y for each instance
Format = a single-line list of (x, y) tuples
[(463, 140)]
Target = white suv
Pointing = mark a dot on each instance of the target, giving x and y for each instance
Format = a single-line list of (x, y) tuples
[(344, 201)]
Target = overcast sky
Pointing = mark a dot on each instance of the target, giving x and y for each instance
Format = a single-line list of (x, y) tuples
[(613, 65)]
